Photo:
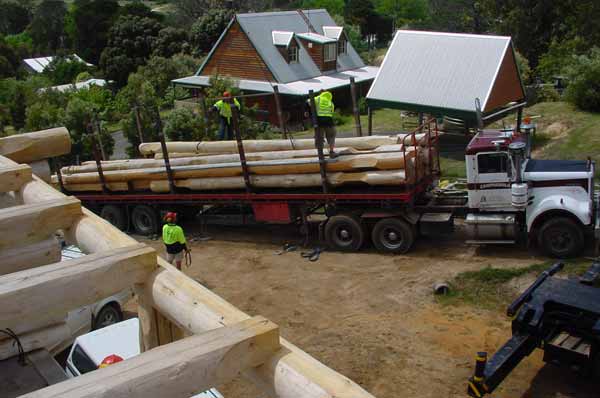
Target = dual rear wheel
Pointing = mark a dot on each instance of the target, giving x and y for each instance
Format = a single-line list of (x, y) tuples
[(143, 219), (389, 235)]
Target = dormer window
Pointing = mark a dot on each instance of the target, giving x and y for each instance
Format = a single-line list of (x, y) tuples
[(330, 52), (342, 46), (293, 54)]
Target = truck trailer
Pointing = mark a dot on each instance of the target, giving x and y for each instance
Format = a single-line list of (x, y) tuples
[(510, 198)]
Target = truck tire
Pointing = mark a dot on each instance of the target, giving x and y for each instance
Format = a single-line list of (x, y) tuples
[(114, 215), (108, 315), (393, 235), (344, 233), (560, 237), (144, 220)]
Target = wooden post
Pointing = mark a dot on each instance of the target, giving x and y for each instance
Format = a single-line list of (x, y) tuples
[(519, 119), (149, 338), (318, 141), (204, 112), (370, 117), (355, 109), (138, 123), (240, 145), (165, 152), (279, 111), (98, 165), (99, 134)]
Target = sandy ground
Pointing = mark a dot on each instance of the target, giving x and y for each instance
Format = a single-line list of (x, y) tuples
[(373, 317)]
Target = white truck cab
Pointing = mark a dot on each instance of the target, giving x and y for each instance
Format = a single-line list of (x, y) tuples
[(122, 339)]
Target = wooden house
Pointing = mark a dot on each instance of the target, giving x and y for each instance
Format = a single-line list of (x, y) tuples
[(296, 51)]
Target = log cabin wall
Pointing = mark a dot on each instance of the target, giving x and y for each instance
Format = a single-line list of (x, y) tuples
[(236, 57), (315, 51)]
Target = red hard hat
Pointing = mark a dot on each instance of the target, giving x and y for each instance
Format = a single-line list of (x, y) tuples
[(170, 216), (110, 360), (226, 94)]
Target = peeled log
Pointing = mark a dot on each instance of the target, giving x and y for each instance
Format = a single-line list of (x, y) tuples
[(48, 338), (360, 143), (29, 147), (387, 178), (380, 161), (30, 256)]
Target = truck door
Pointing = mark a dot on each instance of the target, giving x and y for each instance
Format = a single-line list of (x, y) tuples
[(490, 187)]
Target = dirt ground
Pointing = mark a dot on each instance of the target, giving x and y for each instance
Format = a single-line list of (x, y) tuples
[(373, 317)]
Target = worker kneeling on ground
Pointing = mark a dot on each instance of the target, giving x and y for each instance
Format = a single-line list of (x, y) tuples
[(223, 107), (174, 240), (325, 109)]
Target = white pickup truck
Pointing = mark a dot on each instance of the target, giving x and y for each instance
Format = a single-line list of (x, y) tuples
[(121, 339)]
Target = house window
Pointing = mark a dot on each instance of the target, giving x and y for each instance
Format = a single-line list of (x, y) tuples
[(342, 46), (330, 50), (293, 54)]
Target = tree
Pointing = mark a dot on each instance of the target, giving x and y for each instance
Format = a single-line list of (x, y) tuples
[(470, 16), (139, 9), (160, 71), (403, 12), (131, 42), (187, 11), (523, 66), (9, 62), (171, 41), (334, 7), (22, 44), (19, 108), (64, 69), (88, 26), (205, 32), (359, 12), (584, 81), (183, 125), (560, 55), (47, 26), (14, 17)]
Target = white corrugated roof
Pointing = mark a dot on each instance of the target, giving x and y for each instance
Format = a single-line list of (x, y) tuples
[(333, 32), (77, 86), (300, 87), (439, 70), (41, 63), (317, 38), (282, 38)]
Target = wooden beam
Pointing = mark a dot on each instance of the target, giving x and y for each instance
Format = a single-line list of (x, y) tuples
[(53, 289), (291, 373), (29, 147), (20, 258), (24, 224), (47, 338), (180, 369), (148, 322), (14, 177)]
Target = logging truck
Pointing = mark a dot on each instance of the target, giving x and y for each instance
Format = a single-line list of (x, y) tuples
[(510, 198)]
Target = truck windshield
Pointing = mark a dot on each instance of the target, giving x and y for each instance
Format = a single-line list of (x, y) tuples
[(82, 362), (492, 163)]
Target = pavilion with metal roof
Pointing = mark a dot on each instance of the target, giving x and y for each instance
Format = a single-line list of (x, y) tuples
[(470, 77)]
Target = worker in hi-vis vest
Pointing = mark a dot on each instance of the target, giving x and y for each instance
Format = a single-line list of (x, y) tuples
[(325, 108), (174, 240), (223, 107)]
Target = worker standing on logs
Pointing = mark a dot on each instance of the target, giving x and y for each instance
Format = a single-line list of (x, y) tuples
[(223, 107), (174, 240), (325, 109)]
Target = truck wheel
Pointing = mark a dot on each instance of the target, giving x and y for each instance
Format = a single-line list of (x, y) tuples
[(144, 220), (393, 235), (561, 237), (114, 215), (108, 315), (344, 233)]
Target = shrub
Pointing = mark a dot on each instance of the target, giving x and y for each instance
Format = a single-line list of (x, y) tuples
[(183, 125), (584, 81), (547, 93)]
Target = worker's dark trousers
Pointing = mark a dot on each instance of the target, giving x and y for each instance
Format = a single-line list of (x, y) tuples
[(224, 128)]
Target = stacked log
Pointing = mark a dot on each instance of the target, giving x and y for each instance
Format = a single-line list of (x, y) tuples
[(271, 164)]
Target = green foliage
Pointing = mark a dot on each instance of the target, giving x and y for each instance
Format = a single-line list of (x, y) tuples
[(547, 93), (523, 66), (335, 7), (139, 9), (47, 26), (353, 33), (183, 125), (403, 12), (14, 17), (359, 13), (131, 42), (64, 69), (80, 119), (89, 24), (9, 62), (19, 108), (43, 115), (171, 41), (584, 81), (559, 56), (206, 30), (22, 44), (471, 16), (83, 76)]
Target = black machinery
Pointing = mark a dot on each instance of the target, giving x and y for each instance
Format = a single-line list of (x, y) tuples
[(560, 316)]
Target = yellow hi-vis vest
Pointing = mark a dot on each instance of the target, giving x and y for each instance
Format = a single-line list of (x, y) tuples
[(324, 105), (225, 108), (172, 233)]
